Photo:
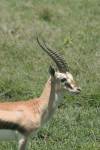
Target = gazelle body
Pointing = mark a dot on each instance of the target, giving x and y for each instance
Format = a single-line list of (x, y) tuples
[(21, 120)]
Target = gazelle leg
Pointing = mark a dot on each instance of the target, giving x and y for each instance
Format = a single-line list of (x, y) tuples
[(22, 143)]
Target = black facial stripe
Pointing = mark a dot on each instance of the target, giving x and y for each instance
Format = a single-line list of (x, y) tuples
[(68, 85), (11, 126)]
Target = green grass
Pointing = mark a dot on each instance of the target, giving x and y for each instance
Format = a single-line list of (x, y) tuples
[(73, 29)]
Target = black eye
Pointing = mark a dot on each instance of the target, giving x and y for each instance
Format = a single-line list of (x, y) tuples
[(63, 80)]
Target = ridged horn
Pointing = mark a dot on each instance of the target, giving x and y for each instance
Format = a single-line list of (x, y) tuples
[(58, 59)]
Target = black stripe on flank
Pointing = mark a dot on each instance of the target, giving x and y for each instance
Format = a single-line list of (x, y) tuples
[(11, 126)]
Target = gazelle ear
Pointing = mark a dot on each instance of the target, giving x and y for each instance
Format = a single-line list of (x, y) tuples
[(51, 71)]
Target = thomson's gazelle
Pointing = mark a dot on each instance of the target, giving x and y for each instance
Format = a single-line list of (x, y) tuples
[(22, 120)]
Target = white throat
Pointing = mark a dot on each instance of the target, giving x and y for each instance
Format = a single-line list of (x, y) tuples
[(58, 98)]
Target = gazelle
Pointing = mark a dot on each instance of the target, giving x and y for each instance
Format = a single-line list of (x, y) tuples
[(22, 120)]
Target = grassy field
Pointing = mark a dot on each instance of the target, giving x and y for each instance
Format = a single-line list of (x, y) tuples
[(73, 29)]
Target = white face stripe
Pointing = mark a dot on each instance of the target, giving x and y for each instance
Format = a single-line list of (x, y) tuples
[(69, 76), (63, 75)]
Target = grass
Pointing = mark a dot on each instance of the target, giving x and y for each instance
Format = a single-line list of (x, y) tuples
[(73, 29)]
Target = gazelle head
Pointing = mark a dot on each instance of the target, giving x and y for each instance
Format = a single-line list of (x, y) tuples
[(65, 83)]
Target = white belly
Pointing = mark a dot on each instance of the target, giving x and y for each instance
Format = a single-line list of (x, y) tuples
[(8, 135)]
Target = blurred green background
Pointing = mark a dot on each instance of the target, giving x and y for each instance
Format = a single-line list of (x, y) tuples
[(71, 27)]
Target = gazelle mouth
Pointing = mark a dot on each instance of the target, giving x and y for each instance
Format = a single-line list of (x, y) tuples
[(76, 93)]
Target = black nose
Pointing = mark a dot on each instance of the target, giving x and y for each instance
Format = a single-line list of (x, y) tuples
[(79, 89)]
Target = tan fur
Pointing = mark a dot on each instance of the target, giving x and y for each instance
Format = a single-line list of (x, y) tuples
[(31, 111), (34, 114)]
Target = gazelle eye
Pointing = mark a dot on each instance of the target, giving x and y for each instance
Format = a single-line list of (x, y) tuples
[(63, 80)]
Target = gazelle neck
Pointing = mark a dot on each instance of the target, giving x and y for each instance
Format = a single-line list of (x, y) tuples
[(50, 99)]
